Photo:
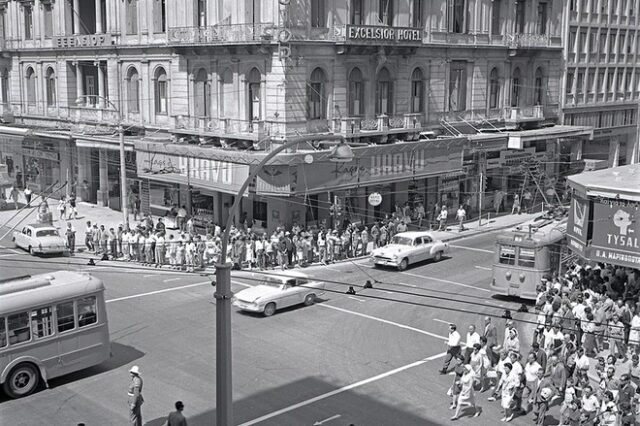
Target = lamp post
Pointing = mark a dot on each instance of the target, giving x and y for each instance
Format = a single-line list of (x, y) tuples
[(224, 392), (123, 165)]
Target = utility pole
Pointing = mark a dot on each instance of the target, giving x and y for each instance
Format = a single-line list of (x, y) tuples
[(123, 175)]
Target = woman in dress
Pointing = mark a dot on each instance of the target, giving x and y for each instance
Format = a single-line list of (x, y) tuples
[(466, 397), (634, 334), (511, 341), (508, 386)]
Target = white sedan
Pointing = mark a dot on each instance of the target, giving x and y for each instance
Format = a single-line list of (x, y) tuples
[(40, 238), (406, 248), (279, 291)]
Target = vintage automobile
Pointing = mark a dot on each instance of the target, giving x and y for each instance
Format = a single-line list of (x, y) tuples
[(406, 248), (40, 239), (279, 291)]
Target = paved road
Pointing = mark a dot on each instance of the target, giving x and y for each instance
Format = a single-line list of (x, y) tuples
[(368, 359)]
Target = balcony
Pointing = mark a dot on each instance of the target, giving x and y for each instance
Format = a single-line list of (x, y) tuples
[(531, 41), (221, 127), (90, 114), (381, 124), (219, 34)]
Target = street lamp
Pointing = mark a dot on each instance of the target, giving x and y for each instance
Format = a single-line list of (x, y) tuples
[(341, 153), (123, 165)]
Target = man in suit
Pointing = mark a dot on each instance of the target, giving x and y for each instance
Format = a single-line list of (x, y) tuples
[(491, 334), (543, 394), (558, 375)]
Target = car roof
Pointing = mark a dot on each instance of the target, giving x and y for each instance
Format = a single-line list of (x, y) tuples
[(285, 275), (41, 226), (415, 234)]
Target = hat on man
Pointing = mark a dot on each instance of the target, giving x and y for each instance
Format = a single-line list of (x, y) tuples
[(135, 370)]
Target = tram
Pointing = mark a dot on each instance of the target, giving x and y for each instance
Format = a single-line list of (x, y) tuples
[(527, 253)]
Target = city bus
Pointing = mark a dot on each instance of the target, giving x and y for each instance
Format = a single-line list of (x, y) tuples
[(50, 325), (527, 253)]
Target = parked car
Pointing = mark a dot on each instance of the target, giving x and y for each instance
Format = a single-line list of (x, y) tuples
[(406, 248), (40, 239), (279, 291)]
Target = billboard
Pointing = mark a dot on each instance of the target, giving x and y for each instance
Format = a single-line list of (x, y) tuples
[(578, 224), (616, 232)]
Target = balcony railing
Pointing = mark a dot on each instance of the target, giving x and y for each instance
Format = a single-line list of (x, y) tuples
[(383, 123), (228, 33), (527, 41)]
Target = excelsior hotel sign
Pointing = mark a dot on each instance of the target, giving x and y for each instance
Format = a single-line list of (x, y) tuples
[(380, 33)]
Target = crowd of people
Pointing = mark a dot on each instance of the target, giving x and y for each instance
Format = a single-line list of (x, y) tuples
[(584, 355)]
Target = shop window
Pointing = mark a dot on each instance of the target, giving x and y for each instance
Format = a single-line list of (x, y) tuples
[(47, 11), (311, 214), (28, 21), (201, 13), (254, 94), (18, 328), (416, 13), (516, 87), (133, 91), (201, 93), (159, 16), (260, 211), (384, 93), (538, 87), (527, 257), (541, 20), (87, 311), (494, 89), (42, 322), (65, 316), (521, 7), (318, 15), (316, 95), (161, 91), (356, 93), (495, 17), (357, 12), (31, 86), (385, 12), (132, 16), (458, 86), (417, 91), (507, 255), (51, 87)]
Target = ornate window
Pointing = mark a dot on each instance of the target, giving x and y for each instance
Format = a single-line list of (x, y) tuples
[(159, 16), (385, 12), (51, 87), (494, 89), (27, 10), (132, 16), (357, 12), (417, 91), (384, 93), (316, 95), (318, 15), (254, 85), (538, 86), (356, 93), (30, 77), (133, 91), (161, 91), (516, 88), (458, 86), (201, 93)]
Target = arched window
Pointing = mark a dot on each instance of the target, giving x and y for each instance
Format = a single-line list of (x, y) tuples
[(494, 89), (161, 91), (201, 93), (538, 98), (226, 92), (384, 93), (356, 93), (516, 88), (132, 16), (31, 86), (253, 83), (5, 86), (417, 91), (51, 87), (133, 90), (316, 95)]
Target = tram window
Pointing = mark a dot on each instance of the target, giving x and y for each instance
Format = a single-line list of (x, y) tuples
[(65, 316), (19, 328), (42, 322), (87, 309), (3, 333), (527, 258), (507, 255)]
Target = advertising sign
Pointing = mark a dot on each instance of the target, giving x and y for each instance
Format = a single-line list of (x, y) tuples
[(379, 33), (578, 224), (616, 232), (375, 199)]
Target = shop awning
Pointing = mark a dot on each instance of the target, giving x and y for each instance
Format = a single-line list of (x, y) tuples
[(617, 182), (102, 142)]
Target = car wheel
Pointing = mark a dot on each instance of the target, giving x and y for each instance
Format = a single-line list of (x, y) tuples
[(32, 251), (403, 265), (310, 299), (22, 380), (270, 309), (438, 256)]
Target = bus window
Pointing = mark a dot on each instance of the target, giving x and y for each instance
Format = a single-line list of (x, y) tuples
[(508, 255), (3, 333), (42, 322), (87, 311), (19, 328), (64, 311), (527, 257)]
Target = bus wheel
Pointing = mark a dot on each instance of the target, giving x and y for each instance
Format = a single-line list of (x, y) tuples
[(22, 381)]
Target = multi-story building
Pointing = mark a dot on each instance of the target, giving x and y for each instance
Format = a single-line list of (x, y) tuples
[(602, 79), (424, 90)]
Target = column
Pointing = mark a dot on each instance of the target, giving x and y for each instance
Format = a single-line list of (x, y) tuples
[(98, 5), (76, 16), (79, 83), (101, 94), (103, 192)]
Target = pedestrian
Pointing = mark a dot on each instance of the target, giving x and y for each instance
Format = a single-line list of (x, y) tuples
[(96, 238), (135, 397), (461, 215), (73, 211), (160, 249), (543, 394), (491, 334), (104, 240), (176, 418), (14, 194), (27, 194), (88, 237), (453, 348), (70, 233), (516, 204), (136, 207), (442, 219), (181, 218), (526, 200), (467, 396), (112, 241), (420, 214), (62, 208)]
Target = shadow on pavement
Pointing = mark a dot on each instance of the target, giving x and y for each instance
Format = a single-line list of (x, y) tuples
[(341, 409)]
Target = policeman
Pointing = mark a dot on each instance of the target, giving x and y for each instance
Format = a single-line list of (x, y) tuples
[(135, 397)]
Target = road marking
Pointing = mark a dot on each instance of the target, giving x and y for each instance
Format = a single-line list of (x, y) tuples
[(484, 268), (472, 249), (384, 291), (168, 280), (355, 298), (342, 389), (149, 275), (328, 419), (442, 321), (384, 321), (5, 255), (446, 281), (410, 285), (151, 293)]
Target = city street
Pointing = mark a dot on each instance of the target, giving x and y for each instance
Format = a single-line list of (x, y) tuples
[(367, 359)]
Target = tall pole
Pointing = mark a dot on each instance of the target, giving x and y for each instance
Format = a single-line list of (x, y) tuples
[(123, 175), (480, 191)]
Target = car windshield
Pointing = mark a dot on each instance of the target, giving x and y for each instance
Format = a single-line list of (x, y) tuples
[(403, 241), (271, 282), (47, 233)]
